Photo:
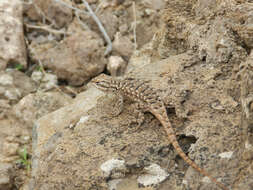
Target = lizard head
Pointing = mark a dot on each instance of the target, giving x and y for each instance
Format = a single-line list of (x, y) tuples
[(104, 83)]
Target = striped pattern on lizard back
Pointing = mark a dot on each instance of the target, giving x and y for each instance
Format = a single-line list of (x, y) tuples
[(139, 91)]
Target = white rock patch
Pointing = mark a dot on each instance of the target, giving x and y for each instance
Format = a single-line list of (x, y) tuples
[(82, 119), (111, 165), (112, 184), (206, 179), (226, 154), (248, 145), (154, 175)]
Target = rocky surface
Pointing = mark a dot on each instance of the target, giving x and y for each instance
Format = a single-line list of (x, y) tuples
[(12, 44), (50, 10), (245, 75), (196, 54), (33, 106), (215, 142), (74, 59), (116, 66), (73, 47), (101, 148), (14, 135), (14, 85)]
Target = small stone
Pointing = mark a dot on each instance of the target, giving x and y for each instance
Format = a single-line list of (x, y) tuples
[(155, 175), (4, 104), (247, 155), (5, 179), (76, 59), (6, 79), (226, 154), (10, 149), (33, 106), (123, 45), (14, 85), (116, 66), (37, 76), (114, 164), (47, 81), (58, 13), (123, 28), (206, 179), (149, 11), (12, 45), (26, 138), (217, 106)]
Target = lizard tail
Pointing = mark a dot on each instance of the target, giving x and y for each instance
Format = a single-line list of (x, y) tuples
[(195, 166), (170, 132)]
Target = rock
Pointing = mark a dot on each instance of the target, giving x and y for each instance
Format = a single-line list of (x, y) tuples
[(183, 84), (246, 75), (155, 4), (87, 124), (56, 12), (107, 19), (33, 106), (216, 44), (242, 19), (13, 134), (46, 81), (14, 85), (204, 8), (205, 83), (76, 59), (210, 32), (10, 149), (4, 104), (123, 45), (89, 145), (13, 50), (155, 175), (5, 178), (116, 66)]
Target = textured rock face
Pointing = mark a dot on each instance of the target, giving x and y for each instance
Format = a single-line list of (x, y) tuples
[(246, 76), (33, 106), (54, 11), (5, 179), (200, 62), (209, 28), (116, 66), (77, 59), (14, 85), (113, 148), (12, 44), (205, 81), (100, 148)]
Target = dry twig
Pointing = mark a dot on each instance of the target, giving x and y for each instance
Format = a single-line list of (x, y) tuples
[(100, 26), (134, 26), (95, 18), (46, 28)]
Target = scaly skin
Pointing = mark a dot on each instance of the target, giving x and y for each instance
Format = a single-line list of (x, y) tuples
[(150, 101)]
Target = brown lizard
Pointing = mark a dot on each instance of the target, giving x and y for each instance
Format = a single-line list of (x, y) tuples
[(147, 100)]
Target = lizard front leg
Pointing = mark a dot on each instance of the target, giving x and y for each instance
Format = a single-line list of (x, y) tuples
[(113, 105), (138, 109)]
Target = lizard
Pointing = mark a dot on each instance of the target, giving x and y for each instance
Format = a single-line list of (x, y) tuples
[(147, 100)]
